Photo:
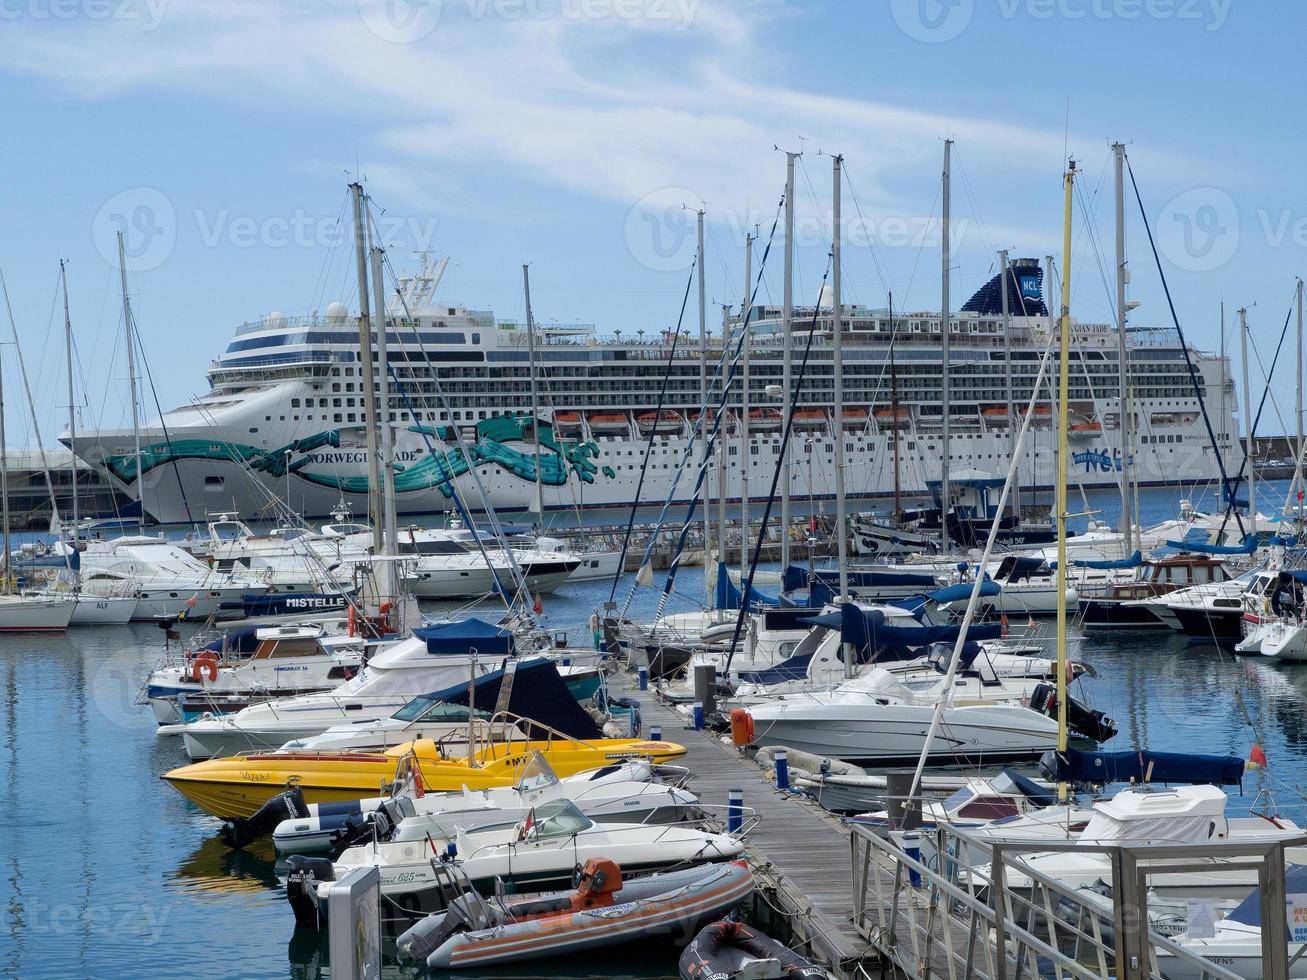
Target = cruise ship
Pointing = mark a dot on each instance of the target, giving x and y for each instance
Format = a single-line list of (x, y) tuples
[(284, 418)]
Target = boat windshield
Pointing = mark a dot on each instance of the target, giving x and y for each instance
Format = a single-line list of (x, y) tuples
[(430, 709), (559, 818), (536, 774), (958, 799)]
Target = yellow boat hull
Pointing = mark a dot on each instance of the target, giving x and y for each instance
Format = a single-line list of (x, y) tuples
[(238, 785)]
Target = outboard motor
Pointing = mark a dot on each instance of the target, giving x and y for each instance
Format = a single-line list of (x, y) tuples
[(303, 875), (1079, 718), (468, 913), (241, 831)]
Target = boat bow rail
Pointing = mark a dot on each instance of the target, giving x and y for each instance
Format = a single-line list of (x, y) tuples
[(922, 902)]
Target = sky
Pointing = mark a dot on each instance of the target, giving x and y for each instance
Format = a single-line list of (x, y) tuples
[(580, 136)]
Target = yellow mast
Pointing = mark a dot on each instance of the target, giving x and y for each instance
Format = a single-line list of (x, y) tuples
[(1064, 390)]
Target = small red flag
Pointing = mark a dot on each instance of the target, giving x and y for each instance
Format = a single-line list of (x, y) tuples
[(1257, 757)]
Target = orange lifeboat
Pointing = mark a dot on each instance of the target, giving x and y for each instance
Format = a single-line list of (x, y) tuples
[(664, 421), (607, 421), (809, 417), (892, 416)]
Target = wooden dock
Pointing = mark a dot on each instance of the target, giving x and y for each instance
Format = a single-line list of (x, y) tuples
[(799, 851)]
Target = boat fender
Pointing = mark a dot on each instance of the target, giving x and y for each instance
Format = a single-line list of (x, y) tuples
[(302, 877), (741, 727), (353, 620), (242, 831), (205, 662)]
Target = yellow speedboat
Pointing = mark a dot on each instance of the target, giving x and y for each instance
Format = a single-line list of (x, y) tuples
[(238, 785)]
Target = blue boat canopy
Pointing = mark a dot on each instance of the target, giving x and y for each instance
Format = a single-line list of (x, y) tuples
[(1248, 546), (727, 595), (962, 591), (466, 635), (867, 630), (1249, 911), (1143, 766), (1134, 561), (241, 640), (538, 692)]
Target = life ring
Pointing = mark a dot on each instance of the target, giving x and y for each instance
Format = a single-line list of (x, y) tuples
[(384, 611), (207, 660)]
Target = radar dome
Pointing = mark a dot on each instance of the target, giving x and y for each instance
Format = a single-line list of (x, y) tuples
[(337, 312)]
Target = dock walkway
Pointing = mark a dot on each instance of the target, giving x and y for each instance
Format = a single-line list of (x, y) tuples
[(796, 847)]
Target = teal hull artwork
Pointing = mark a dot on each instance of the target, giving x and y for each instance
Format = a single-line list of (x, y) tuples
[(559, 459)]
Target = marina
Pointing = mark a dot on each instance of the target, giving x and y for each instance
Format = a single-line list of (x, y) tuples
[(510, 588)]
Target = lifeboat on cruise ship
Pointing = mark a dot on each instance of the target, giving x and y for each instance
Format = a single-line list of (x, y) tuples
[(854, 417), (1085, 430), (892, 416), (1041, 411), (764, 418), (608, 422), (995, 413), (568, 420), (664, 421), (808, 418)]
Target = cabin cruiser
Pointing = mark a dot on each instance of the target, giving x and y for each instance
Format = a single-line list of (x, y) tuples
[(288, 559), (228, 673), (169, 580), (1123, 606), (1143, 816), (435, 657), (1273, 615)]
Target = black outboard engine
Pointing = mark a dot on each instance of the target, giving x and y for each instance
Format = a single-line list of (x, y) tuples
[(241, 831), (303, 875), (1080, 719)]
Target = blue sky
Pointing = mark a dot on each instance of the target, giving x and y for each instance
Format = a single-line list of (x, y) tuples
[(569, 133)]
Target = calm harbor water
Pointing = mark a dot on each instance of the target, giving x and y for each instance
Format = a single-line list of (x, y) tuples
[(105, 871)]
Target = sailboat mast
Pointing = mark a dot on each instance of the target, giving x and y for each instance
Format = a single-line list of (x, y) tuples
[(4, 480), (837, 366), (746, 457), (1297, 466), (898, 432), (1123, 353), (1248, 423), (787, 323), (390, 529), (703, 417), (72, 407), (535, 397), (376, 505), (945, 491), (131, 381), (1064, 391), (1005, 279)]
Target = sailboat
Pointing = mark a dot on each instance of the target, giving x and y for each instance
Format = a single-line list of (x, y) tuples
[(22, 612)]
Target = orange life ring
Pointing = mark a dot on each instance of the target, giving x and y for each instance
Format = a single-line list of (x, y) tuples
[(205, 661)]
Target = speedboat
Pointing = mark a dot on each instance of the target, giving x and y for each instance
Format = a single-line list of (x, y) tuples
[(625, 788), (284, 661), (875, 718), (604, 910), (540, 851), (238, 786)]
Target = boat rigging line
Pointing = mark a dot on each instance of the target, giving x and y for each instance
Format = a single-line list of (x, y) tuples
[(653, 433), (746, 589)]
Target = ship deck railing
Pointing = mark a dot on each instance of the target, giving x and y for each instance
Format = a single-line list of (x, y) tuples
[(937, 911)]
